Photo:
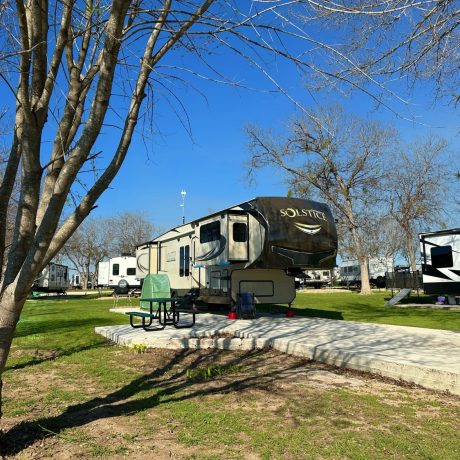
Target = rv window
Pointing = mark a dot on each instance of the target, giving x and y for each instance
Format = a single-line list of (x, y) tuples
[(116, 269), (131, 271), (239, 232), (441, 257), (210, 232), (184, 260)]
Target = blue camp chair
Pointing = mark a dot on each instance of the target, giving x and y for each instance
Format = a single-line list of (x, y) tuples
[(246, 305)]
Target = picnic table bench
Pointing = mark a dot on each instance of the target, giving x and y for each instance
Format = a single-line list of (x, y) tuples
[(178, 306)]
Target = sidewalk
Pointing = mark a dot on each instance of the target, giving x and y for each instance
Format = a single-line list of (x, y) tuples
[(427, 357)]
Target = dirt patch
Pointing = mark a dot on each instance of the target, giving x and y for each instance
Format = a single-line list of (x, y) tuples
[(128, 419)]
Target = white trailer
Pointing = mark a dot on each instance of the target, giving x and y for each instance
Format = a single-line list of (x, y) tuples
[(440, 253), (315, 278), (350, 271), (258, 246), (118, 273), (53, 278)]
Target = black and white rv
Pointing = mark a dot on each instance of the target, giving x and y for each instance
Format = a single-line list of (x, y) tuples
[(53, 278), (440, 253), (350, 271), (258, 246)]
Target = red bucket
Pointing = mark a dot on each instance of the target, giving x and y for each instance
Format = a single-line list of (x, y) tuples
[(289, 313), (232, 315)]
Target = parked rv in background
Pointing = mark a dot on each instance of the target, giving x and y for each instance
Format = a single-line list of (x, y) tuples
[(440, 253), (53, 278), (118, 273), (258, 246), (315, 278), (75, 282), (350, 271)]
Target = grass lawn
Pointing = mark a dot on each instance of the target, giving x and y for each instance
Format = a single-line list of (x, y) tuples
[(69, 394), (352, 306)]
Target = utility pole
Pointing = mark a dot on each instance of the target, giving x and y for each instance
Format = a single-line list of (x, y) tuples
[(182, 194)]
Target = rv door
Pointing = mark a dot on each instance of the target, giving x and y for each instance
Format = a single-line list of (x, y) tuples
[(238, 237)]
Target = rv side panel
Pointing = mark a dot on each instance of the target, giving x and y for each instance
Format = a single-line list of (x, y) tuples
[(102, 274), (441, 262)]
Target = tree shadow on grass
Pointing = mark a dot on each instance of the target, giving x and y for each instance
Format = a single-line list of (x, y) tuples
[(164, 385), (38, 356)]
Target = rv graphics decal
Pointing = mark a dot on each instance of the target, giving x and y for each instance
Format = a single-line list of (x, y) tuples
[(308, 229), (214, 252), (143, 265)]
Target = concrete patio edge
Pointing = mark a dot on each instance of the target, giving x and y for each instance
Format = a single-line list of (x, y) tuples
[(424, 357)]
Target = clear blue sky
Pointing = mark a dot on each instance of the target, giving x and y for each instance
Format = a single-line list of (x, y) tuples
[(211, 165)]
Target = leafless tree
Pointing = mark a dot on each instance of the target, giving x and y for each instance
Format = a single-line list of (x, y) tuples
[(418, 189), (100, 238), (390, 46), (130, 229), (90, 244), (338, 158)]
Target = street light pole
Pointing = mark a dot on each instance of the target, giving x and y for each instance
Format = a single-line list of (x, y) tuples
[(182, 194)]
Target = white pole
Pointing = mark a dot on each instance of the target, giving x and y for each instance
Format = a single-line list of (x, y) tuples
[(182, 194)]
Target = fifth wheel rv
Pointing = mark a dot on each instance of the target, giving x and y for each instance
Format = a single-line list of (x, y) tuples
[(258, 246), (440, 253)]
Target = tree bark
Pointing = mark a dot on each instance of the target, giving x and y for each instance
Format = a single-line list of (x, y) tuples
[(364, 268), (363, 262), (11, 304)]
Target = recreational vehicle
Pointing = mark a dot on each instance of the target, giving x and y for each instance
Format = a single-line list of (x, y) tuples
[(350, 271), (258, 246), (314, 278), (53, 278), (118, 273), (440, 253)]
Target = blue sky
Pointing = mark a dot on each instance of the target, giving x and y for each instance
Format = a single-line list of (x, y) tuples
[(210, 165)]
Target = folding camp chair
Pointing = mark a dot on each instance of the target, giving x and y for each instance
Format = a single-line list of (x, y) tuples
[(246, 305), (186, 305)]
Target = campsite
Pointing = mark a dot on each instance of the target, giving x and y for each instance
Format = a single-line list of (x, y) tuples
[(229, 229), (73, 394)]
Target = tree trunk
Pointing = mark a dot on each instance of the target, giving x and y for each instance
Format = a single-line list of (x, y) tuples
[(11, 304), (363, 261), (86, 276), (364, 268), (411, 253)]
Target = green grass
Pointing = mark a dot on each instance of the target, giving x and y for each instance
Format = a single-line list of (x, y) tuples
[(352, 306), (72, 391)]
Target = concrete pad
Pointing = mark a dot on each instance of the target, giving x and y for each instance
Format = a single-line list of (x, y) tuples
[(427, 357)]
